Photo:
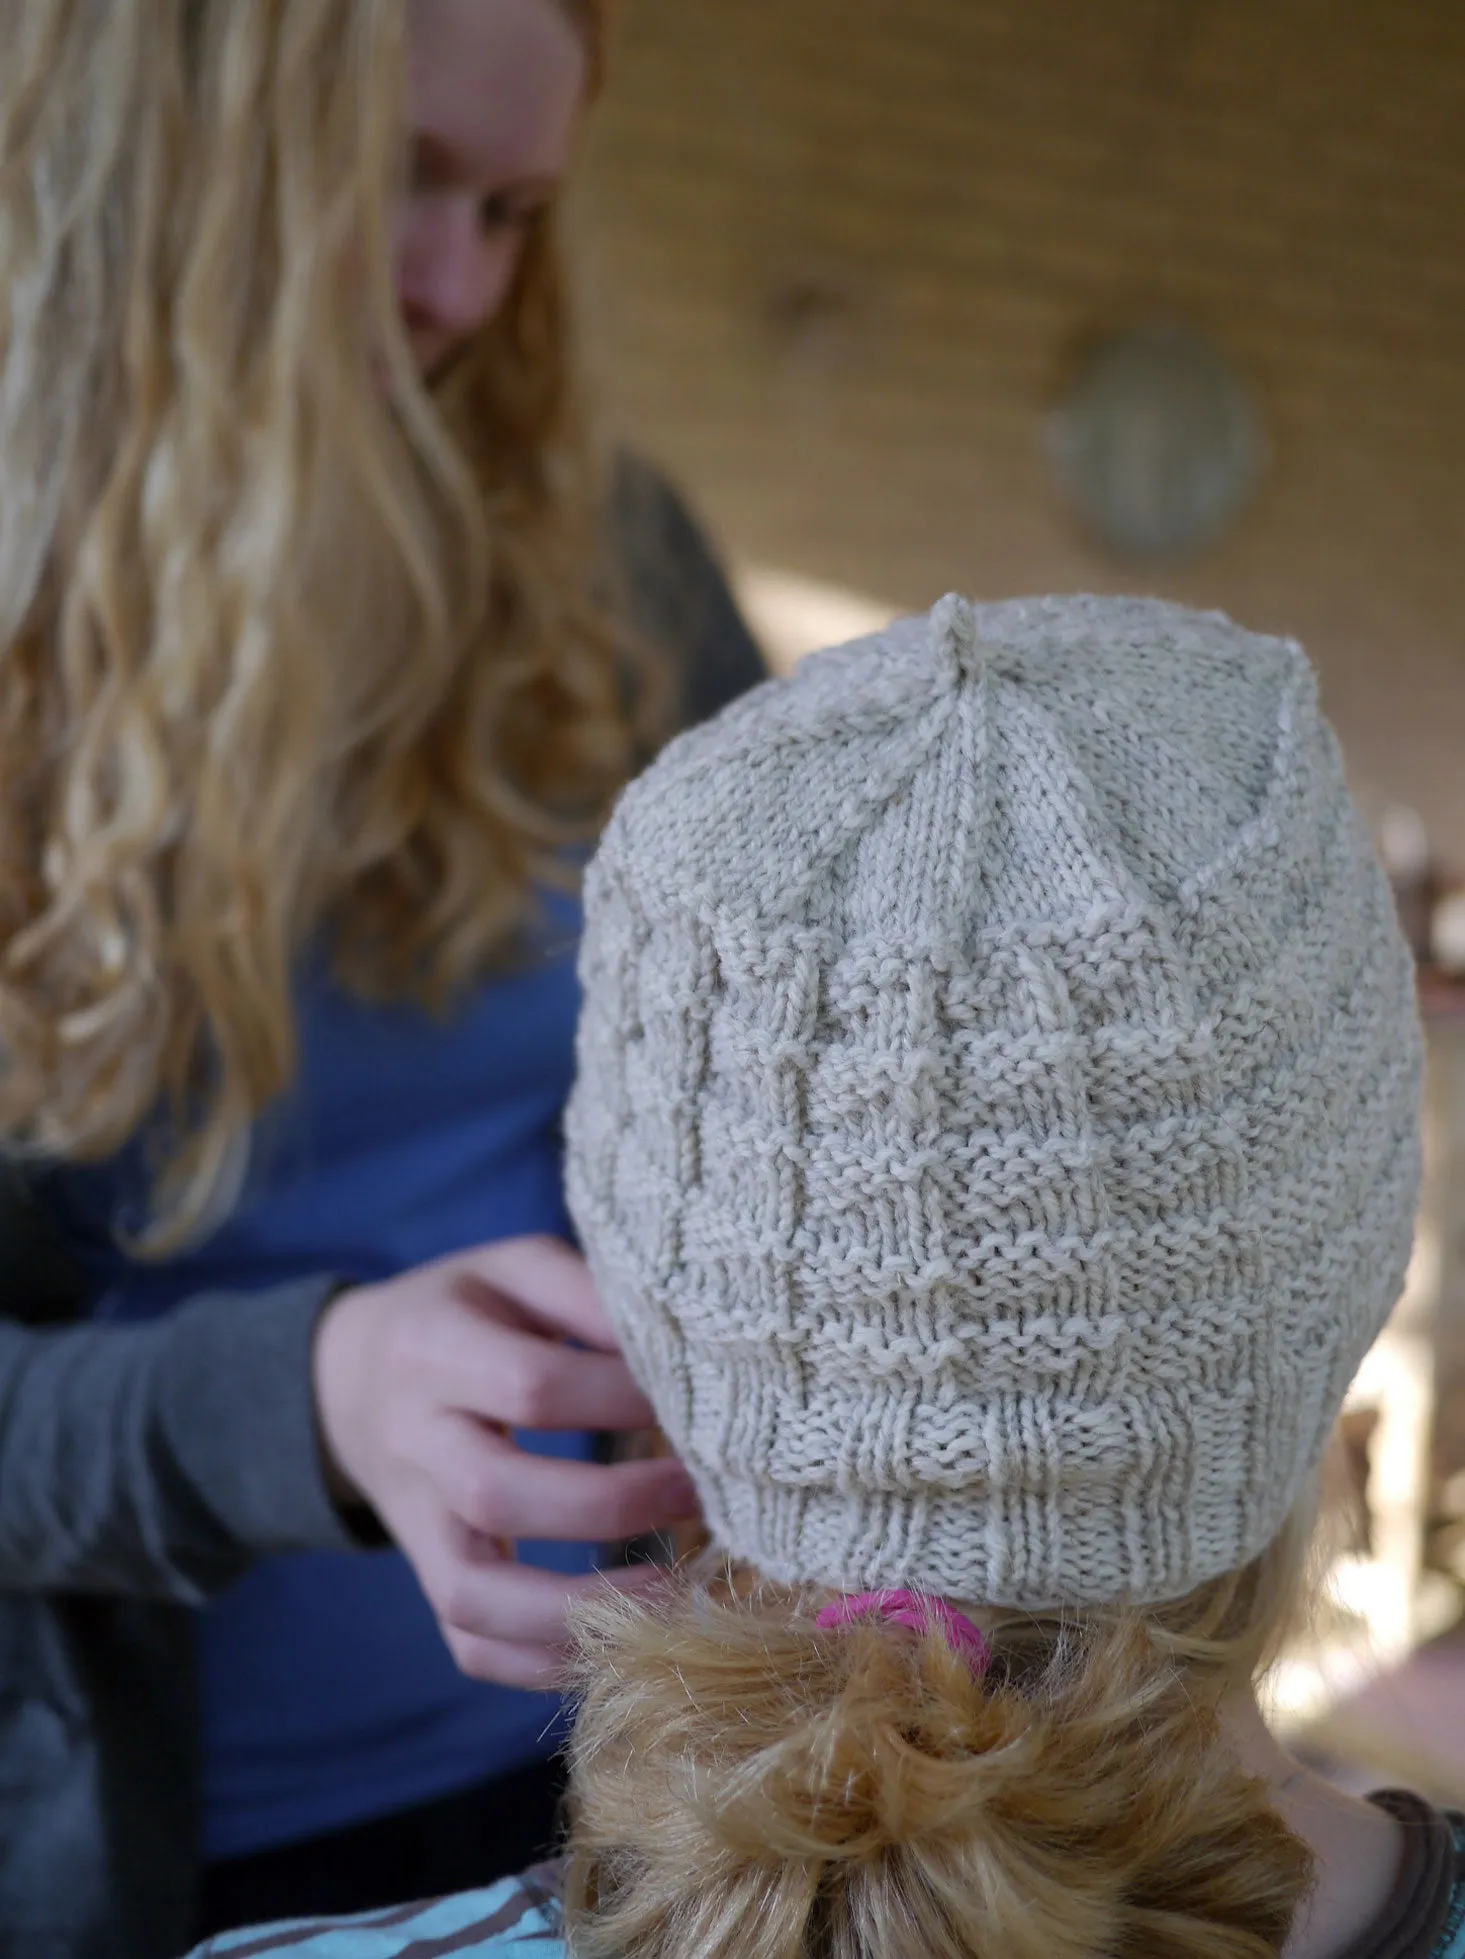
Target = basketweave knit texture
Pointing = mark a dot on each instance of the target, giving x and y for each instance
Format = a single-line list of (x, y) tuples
[(996, 1129)]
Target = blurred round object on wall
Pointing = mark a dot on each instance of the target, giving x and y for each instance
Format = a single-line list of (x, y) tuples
[(1405, 851), (1447, 934), (1403, 844), (1158, 443)]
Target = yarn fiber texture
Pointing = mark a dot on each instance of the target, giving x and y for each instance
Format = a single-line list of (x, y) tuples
[(996, 1129)]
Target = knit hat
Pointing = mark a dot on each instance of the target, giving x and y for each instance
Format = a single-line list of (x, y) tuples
[(996, 1135)]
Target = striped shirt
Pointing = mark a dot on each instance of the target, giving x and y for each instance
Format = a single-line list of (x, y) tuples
[(521, 1918)]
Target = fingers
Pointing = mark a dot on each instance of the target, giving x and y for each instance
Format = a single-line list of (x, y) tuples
[(538, 1664), (546, 1278), (499, 1491), (504, 1621), (536, 1668), (525, 1381), (489, 1599)]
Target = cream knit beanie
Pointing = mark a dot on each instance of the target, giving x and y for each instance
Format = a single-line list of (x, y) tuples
[(996, 1131)]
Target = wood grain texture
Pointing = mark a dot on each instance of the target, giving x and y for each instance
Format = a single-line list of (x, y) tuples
[(837, 257)]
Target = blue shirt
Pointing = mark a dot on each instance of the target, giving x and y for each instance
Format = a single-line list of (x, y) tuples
[(328, 1694)]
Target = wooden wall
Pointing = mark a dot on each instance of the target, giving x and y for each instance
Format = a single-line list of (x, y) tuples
[(836, 257)]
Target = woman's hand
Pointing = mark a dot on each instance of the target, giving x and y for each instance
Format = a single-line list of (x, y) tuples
[(418, 1382)]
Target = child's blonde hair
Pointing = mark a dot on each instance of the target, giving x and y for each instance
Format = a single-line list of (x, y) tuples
[(287, 641), (745, 1783)]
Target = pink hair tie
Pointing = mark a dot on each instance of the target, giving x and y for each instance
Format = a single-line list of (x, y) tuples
[(920, 1613)]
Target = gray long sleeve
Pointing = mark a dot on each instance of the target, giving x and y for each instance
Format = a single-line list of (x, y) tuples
[(157, 1460)]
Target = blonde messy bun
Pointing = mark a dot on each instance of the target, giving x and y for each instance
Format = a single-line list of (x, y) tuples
[(745, 1783)]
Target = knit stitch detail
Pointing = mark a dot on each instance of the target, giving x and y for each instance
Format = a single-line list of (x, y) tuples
[(996, 1135)]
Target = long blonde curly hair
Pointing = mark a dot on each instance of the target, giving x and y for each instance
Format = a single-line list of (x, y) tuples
[(290, 644), (745, 1785)]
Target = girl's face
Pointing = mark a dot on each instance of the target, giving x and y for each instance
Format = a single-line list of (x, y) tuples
[(494, 89)]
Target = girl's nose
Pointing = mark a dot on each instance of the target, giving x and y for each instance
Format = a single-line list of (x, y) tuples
[(455, 271)]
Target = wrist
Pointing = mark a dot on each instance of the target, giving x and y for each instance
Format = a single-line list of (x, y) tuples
[(334, 1366)]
